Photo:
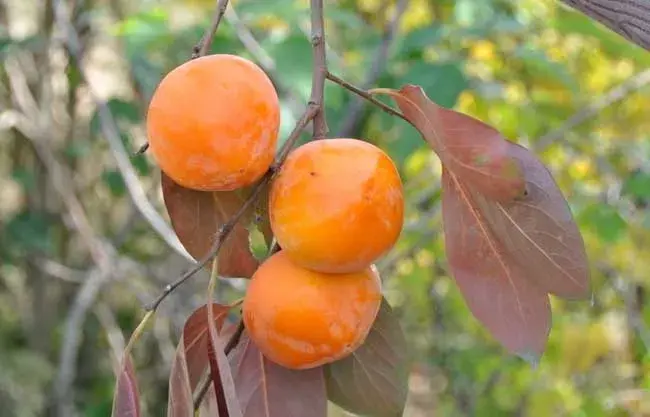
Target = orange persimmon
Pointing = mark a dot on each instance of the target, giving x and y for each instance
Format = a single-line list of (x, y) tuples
[(337, 205), (213, 123), (301, 319)]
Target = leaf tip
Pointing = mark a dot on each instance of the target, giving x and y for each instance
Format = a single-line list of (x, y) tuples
[(532, 358)]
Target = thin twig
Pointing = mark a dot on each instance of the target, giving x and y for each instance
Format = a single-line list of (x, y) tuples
[(227, 227), (142, 149), (206, 41), (365, 95), (320, 68), (354, 110)]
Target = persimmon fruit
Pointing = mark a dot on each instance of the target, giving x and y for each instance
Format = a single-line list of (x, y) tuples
[(336, 205), (213, 123), (300, 319)]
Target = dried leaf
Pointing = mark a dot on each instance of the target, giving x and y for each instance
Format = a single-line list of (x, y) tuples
[(126, 400), (191, 360), (373, 380), (474, 151), (539, 232), (266, 389), (196, 217), (493, 283)]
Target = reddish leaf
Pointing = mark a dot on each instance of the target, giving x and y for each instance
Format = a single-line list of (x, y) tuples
[(539, 231), (494, 284), (374, 379), (522, 206), (196, 217), (126, 400), (221, 373), (191, 360), (269, 390), (474, 151)]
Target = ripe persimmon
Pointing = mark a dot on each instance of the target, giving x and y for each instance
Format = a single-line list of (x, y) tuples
[(337, 205), (301, 319), (213, 123)]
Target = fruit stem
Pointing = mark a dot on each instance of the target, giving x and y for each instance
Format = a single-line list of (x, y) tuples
[(365, 95)]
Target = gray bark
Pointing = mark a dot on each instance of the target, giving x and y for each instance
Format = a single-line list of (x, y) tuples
[(628, 18)]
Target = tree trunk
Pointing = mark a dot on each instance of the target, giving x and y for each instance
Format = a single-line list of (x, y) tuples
[(628, 18)]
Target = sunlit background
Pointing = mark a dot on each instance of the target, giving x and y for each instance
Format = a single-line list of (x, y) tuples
[(544, 75)]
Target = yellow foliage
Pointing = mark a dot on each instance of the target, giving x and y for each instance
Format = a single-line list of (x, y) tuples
[(369, 6), (417, 14), (515, 93), (424, 258), (352, 57), (270, 22), (583, 345), (405, 266), (466, 102), (482, 50), (581, 168), (544, 403)]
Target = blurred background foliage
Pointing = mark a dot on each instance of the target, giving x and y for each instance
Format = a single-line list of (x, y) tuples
[(547, 77)]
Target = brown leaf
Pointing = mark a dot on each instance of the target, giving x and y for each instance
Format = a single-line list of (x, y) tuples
[(269, 390), (493, 283), (539, 231), (191, 360), (474, 151), (126, 399), (374, 379), (196, 217)]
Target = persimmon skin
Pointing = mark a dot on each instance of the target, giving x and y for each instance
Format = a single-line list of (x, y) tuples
[(337, 205), (213, 123), (302, 319)]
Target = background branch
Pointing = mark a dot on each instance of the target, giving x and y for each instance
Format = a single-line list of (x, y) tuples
[(355, 108), (614, 95), (111, 133)]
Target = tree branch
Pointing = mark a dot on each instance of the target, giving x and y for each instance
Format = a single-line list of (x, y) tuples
[(628, 18), (320, 68)]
